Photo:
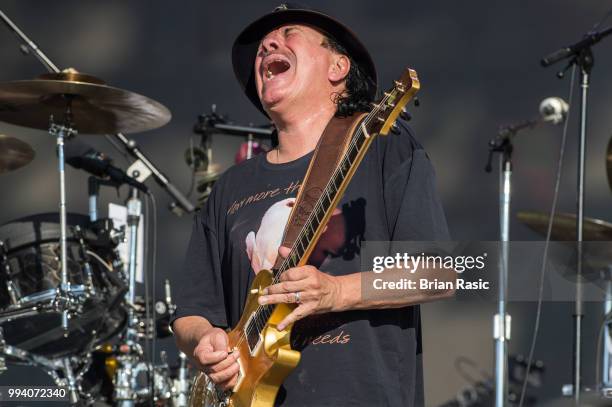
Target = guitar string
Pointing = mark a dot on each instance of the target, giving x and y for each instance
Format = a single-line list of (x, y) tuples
[(317, 206)]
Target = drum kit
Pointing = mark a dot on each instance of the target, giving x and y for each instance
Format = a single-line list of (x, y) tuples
[(68, 301)]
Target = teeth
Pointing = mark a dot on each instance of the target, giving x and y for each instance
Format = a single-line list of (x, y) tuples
[(268, 74)]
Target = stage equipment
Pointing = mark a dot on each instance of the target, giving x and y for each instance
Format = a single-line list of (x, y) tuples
[(14, 153), (30, 276), (580, 55), (481, 393), (200, 158), (75, 99), (87, 103), (553, 110), (82, 156), (597, 266), (564, 226)]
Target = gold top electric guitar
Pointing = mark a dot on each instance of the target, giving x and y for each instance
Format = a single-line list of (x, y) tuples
[(266, 357)]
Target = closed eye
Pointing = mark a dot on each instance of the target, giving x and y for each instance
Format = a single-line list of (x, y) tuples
[(289, 30)]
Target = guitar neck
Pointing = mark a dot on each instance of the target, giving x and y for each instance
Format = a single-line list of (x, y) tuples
[(359, 143)]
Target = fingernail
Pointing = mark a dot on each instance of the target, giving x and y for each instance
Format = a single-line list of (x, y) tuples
[(265, 291), (262, 300)]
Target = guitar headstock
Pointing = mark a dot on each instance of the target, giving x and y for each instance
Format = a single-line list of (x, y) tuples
[(387, 110)]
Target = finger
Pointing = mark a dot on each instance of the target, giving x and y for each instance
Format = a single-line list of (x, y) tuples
[(286, 298), (285, 287), (225, 374), (207, 357), (219, 341), (224, 364), (296, 273), (284, 251), (297, 314), (228, 384)]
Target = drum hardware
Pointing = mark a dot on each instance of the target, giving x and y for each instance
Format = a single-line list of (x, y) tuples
[(61, 370), (14, 153), (182, 383), (2, 349), (10, 286), (89, 105), (83, 101), (200, 158)]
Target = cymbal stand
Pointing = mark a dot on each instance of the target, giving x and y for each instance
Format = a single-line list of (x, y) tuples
[(63, 299), (125, 388)]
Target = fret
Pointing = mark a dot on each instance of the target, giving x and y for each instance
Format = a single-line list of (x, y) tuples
[(311, 230), (337, 181)]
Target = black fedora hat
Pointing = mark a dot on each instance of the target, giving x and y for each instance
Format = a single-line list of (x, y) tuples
[(245, 47)]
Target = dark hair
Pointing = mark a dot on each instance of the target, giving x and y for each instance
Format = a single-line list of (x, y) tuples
[(358, 85)]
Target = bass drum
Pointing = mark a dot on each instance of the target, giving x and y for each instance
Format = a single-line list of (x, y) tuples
[(30, 274)]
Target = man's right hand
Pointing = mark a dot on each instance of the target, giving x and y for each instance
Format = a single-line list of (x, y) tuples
[(212, 353)]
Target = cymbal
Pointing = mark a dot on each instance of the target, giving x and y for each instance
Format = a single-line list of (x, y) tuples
[(564, 226), (609, 162), (96, 107), (597, 256), (14, 153)]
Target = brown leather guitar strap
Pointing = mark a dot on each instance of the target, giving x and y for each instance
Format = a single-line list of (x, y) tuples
[(329, 151)]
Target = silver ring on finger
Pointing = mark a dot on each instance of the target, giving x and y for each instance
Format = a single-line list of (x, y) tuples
[(297, 297)]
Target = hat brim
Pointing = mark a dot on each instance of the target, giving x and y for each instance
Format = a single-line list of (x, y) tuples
[(245, 47)]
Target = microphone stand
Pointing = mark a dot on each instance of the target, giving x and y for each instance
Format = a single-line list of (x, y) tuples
[(502, 320), (582, 56)]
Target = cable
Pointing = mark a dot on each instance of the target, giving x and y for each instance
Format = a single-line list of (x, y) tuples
[(553, 210), (600, 22), (117, 147)]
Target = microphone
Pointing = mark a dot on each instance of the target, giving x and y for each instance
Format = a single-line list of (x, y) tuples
[(554, 110), (84, 157)]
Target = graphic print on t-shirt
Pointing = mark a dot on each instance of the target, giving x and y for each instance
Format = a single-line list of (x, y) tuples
[(262, 245)]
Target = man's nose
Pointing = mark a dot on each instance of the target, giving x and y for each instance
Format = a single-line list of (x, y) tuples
[(270, 43)]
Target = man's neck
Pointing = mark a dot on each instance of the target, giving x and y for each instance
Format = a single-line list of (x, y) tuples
[(299, 133)]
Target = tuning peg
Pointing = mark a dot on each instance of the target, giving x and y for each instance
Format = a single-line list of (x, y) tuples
[(417, 102), (405, 115), (395, 128)]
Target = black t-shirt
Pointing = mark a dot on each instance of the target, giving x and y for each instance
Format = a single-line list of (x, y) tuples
[(353, 358)]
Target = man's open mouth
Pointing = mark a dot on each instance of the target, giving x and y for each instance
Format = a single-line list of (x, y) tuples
[(274, 67)]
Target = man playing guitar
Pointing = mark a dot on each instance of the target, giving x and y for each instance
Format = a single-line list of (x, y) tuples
[(301, 67)]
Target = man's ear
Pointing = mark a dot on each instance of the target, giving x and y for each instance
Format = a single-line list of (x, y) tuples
[(339, 68)]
